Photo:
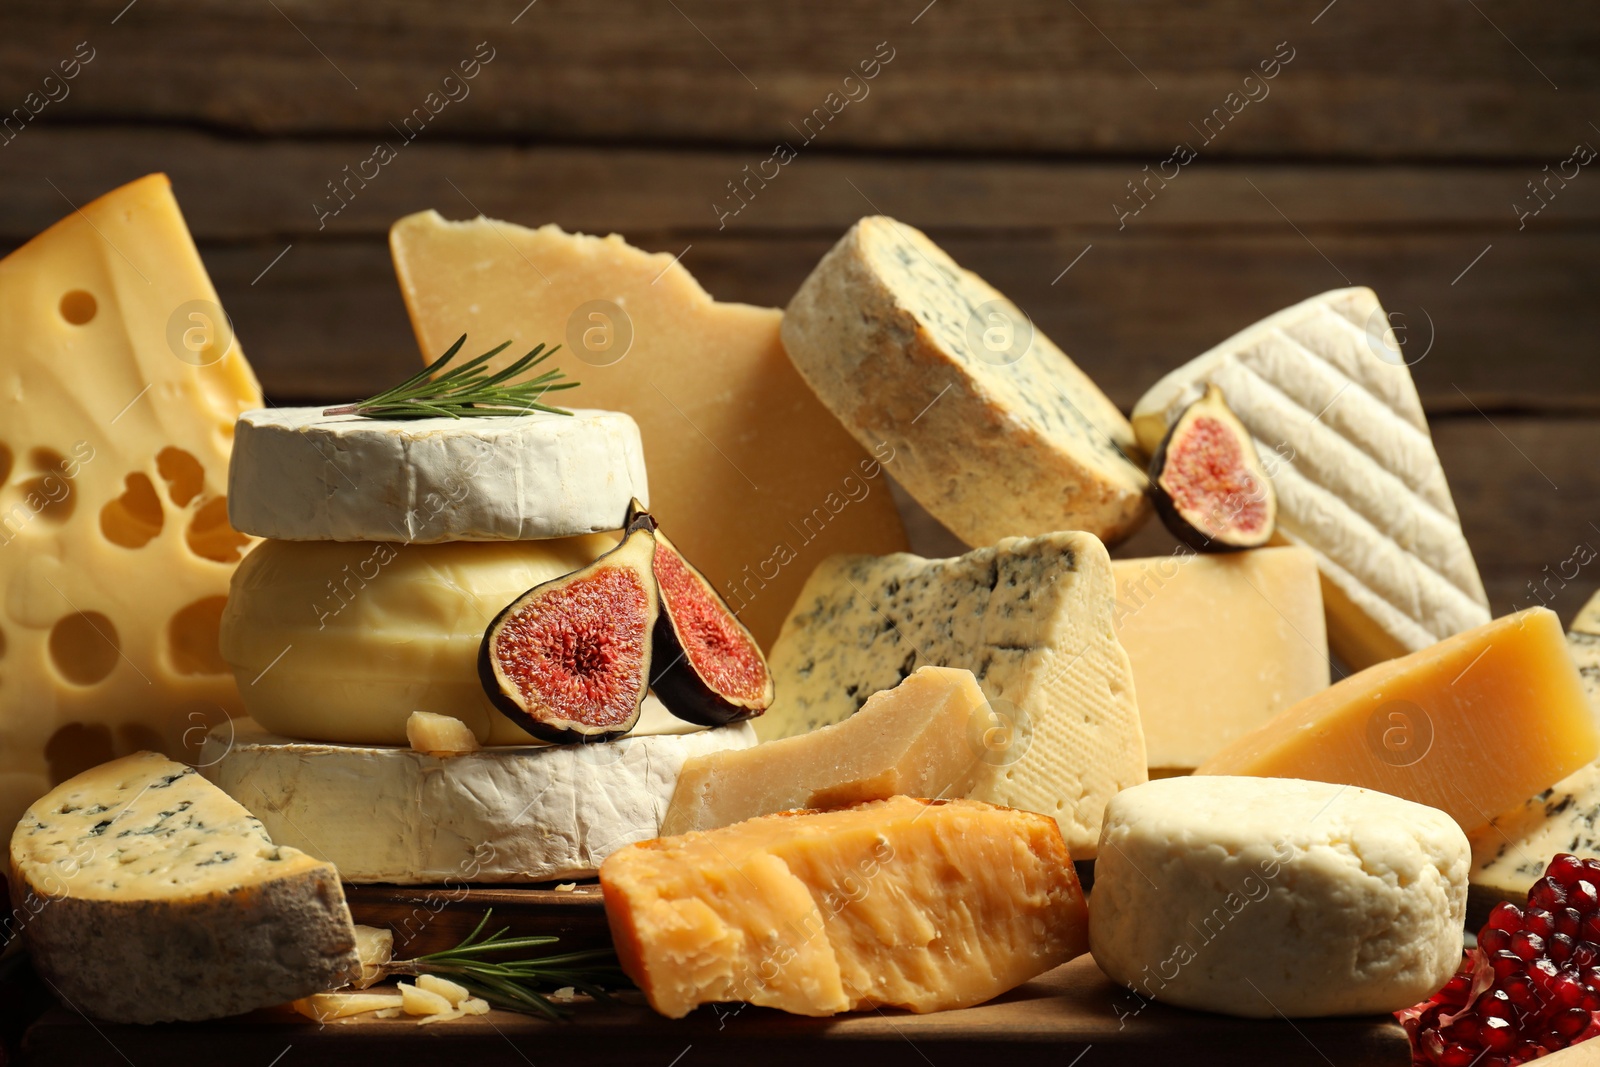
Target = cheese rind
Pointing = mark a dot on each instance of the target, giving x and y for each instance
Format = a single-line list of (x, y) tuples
[(751, 477), (153, 897), (1472, 725), (505, 814), (1030, 617), (300, 475), (904, 903), (1262, 897), (913, 740), (997, 439), (119, 384), (1219, 644), (1357, 478)]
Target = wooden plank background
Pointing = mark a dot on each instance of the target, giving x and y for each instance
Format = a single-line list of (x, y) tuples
[(1404, 146)]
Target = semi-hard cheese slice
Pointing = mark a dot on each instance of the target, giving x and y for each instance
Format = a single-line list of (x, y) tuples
[(1030, 617), (1262, 897), (750, 475), (300, 475), (507, 814), (1472, 725), (1219, 644), (995, 431), (922, 905), (119, 384), (149, 895), (1336, 418), (923, 738)]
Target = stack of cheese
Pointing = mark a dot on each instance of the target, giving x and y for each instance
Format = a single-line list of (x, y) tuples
[(354, 630)]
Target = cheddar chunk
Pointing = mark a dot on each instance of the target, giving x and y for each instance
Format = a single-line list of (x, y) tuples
[(1472, 725), (900, 903)]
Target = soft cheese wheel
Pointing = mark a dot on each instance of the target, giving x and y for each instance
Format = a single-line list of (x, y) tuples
[(509, 814), (148, 895), (1273, 896), (995, 431), (300, 475)]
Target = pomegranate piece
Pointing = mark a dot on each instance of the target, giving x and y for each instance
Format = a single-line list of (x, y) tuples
[(1531, 987), (1207, 481)]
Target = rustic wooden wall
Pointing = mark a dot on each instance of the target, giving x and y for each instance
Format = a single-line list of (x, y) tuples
[(1405, 146)]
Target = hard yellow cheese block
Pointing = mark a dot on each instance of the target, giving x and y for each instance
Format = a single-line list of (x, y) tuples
[(749, 473), (923, 738), (1472, 725), (1219, 644), (119, 385), (901, 903)]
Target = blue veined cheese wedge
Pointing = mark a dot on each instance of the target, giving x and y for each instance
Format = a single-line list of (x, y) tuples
[(994, 430), (1031, 618), (149, 895)]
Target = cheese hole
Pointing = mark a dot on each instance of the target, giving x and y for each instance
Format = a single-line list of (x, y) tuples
[(83, 647), (134, 737), (78, 307), (209, 534), (183, 474), (75, 748), (192, 637), (133, 519), (50, 496), (6, 462)]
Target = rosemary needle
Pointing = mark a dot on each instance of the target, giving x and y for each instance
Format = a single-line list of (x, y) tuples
[(467, 391)]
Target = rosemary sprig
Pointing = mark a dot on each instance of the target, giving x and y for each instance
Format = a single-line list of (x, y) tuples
[(466, 391), (519, 984)]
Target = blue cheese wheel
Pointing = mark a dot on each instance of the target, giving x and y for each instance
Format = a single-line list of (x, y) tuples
[(300, 475)]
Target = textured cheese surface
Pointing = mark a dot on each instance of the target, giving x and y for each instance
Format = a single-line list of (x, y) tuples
[(996, 432), (154, 896), (1473, 725), (897, 903), (1030, 617), (1357, 478), (1511, 853), (343, 641), (750, 476), (913, 740), (300, 475), (517, 813), (1219, 644), (114, 545), (1264, 896)]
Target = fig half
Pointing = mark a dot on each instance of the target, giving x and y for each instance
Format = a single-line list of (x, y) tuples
[(1207, 481), (569, 660), (707, 669)]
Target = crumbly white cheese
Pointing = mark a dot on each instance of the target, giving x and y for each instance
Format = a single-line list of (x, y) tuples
[(148, 895), (1031, 618), (300, 475), (505, 814), (1346, 444), (1583, 640), (1266, 896), (995, 431)]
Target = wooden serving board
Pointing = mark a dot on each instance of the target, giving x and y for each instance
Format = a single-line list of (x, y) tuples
[(430, 918)]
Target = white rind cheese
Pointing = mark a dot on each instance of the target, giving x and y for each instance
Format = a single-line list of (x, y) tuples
[(151, 896), (995, 431), (510, 814), (300, 475), (1031, 618), (1346, 444), (1270, 896)]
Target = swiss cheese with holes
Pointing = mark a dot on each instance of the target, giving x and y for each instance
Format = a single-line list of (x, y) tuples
[(119, 387), (1324, 390)]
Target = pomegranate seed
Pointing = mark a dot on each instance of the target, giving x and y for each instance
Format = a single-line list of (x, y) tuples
[(1527, 946), (1566, 991), (1496, 1005), (1591, 978), (1539, 921), (1568, 921), (1584, 954), (1492, 941), (1547, 893), (1565, 868), (1584, 896), (1458, 1056), (1508, 965), (1591, 928), (1569, 1023), (1560, 948), (1497, 1035), (1520, 989), (1591, 1000), (1507, 917)]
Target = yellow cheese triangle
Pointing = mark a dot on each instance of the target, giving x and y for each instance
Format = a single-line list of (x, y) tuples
[(119, 385), (749, 474)]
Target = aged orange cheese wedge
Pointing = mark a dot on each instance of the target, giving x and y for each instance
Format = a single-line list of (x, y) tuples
[(1472, 725), (915, 904)]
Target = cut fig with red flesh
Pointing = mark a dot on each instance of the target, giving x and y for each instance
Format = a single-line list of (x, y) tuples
[(569, 660), (707, 668), (1207, 481)]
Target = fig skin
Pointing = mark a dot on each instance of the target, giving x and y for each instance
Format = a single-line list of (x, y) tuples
[(1230, 538), (636, 552), (674, 678)]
